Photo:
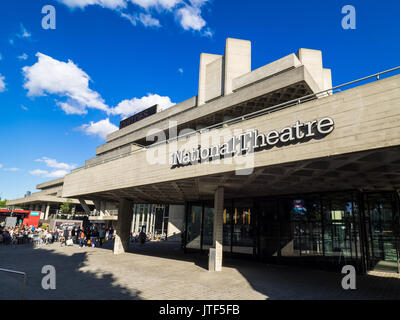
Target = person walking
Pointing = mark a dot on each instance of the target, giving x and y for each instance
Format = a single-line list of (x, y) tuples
[(73, 235), (66, 236), (102, 234), (55, 235), (94, 237), (81, 239)]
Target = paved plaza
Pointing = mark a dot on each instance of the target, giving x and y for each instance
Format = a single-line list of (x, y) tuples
[(160, 270)]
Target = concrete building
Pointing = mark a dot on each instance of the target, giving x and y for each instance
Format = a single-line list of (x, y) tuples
[(271, 163), (49, 200)]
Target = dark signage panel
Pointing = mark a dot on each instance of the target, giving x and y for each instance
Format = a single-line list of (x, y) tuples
[(138, 116)]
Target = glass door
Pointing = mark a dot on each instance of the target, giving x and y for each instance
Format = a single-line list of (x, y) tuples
[(381, 222)]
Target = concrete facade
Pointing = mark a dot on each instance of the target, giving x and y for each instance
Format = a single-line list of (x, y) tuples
[(307, 138), (359, 125)]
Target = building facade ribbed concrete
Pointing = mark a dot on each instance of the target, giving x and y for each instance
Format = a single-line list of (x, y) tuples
[(307, 172)]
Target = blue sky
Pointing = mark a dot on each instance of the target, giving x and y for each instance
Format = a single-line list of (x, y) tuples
[(127, 54)]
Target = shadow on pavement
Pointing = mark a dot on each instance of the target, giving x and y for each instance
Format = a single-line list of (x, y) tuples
[(282, 281), (71, 282)]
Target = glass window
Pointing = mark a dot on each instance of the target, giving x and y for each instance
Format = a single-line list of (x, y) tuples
[(383, 240), (194, 227), (243, 230), (208, 224), (227, 229)]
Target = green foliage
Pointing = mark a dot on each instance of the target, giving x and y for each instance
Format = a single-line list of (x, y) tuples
[(3, 203), (66, 207)]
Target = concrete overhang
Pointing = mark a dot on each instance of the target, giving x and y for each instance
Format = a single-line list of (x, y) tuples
[(291, 77), (366, 120), (103, 218), (51, 183), (42, 199)]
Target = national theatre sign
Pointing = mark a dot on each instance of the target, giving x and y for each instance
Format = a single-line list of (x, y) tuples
[(252, 141)]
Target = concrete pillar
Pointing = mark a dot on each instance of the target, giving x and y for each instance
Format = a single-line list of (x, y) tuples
[(142, 220), (151, 222), (137, 219), (215, 257), (237, 61), (125, 214), (84, 206), (205, 59), (148, 219), (46, 216), (133, 223)]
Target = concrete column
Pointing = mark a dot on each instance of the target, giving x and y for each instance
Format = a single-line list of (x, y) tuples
[(151, 222), (133, 223), (148, 219), (142, 220), (215, 257), (137, 220), (85, 206), (46, 216), (125, 214)]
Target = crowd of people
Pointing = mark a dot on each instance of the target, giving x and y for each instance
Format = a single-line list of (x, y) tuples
[(22, 234)]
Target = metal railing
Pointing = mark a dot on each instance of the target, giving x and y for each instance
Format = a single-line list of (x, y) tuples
[(23, 282), (251, 115)]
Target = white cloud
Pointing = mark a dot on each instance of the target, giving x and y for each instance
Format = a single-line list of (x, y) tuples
[(146, 19), (24, 33), (59, 169), (190, 17), (65, 79), (129, 107), (53, 163), (187, 12), (11, 169), (23, 56), (72, 108), (110, 4), (101, 128), (163, 4), (46, 174), (2, 83)]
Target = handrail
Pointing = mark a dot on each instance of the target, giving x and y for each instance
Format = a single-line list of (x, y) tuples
[(267, 110), (19, 273)]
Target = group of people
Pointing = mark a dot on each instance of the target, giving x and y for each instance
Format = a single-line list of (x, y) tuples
[(93, 236), (17, 235), (140, 237), (90, 236)]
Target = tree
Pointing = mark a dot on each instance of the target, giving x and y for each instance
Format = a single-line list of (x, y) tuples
[(3, 203), (66, 207)]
